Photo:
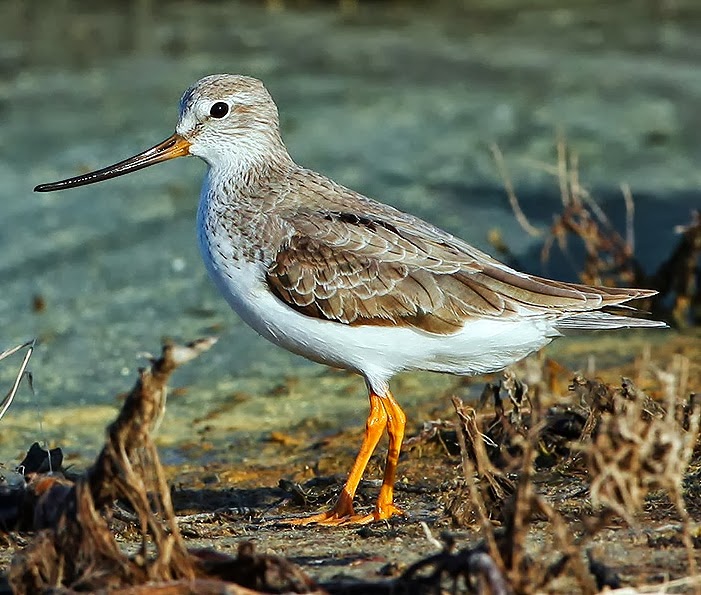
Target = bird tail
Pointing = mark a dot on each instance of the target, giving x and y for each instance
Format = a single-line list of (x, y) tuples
[(599, 320)]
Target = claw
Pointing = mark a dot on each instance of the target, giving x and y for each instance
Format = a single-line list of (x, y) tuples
[(342, 515), (342, 510)]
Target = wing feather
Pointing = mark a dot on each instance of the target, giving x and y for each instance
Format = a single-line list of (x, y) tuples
[(379, 270)]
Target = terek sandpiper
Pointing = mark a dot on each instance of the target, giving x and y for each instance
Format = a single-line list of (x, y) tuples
[(344, 280)]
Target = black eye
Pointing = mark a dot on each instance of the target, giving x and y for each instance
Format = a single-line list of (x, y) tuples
[(219, 109)]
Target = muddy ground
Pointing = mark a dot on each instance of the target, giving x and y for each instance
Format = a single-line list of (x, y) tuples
[(299, 470)]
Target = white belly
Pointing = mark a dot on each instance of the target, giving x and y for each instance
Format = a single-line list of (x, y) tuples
[(376, 352)]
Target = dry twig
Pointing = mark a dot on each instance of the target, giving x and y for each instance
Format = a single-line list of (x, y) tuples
[(9, 397), (76, 549)]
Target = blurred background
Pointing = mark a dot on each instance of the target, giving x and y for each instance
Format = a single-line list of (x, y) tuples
[(399, 100)]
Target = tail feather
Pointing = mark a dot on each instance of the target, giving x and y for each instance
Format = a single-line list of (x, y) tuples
[(598, 320)]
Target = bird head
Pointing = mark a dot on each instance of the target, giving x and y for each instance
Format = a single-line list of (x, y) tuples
[(230, 121)]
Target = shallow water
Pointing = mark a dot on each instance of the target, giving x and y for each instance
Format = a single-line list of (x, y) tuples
[(389, 99)]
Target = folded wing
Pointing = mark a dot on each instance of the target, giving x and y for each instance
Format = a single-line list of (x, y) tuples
[(370, 270)]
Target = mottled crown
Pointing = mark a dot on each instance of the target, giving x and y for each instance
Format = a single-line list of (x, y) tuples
[(246, 92)]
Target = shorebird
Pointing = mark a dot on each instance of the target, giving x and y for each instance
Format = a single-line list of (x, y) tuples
[(346, 281)]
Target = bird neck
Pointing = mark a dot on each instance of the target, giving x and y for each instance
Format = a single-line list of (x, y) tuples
[(249, 166), (243, 209)]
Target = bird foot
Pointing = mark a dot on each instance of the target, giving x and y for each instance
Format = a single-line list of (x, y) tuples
[(341, 516)]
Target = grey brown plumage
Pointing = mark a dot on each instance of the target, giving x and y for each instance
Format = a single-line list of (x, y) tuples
[(379, 266)]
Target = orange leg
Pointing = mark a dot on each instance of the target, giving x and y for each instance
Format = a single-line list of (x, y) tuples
[(343, 512), (384, 412), (396, 421)]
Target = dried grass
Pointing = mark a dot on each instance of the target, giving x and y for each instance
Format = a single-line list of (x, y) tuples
[(609, 258), (21, 371), (628, 445)]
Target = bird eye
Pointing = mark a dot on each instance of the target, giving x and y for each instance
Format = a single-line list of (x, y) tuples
[(219, 109)]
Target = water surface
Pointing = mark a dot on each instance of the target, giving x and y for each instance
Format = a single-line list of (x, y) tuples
[(393, 99)]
